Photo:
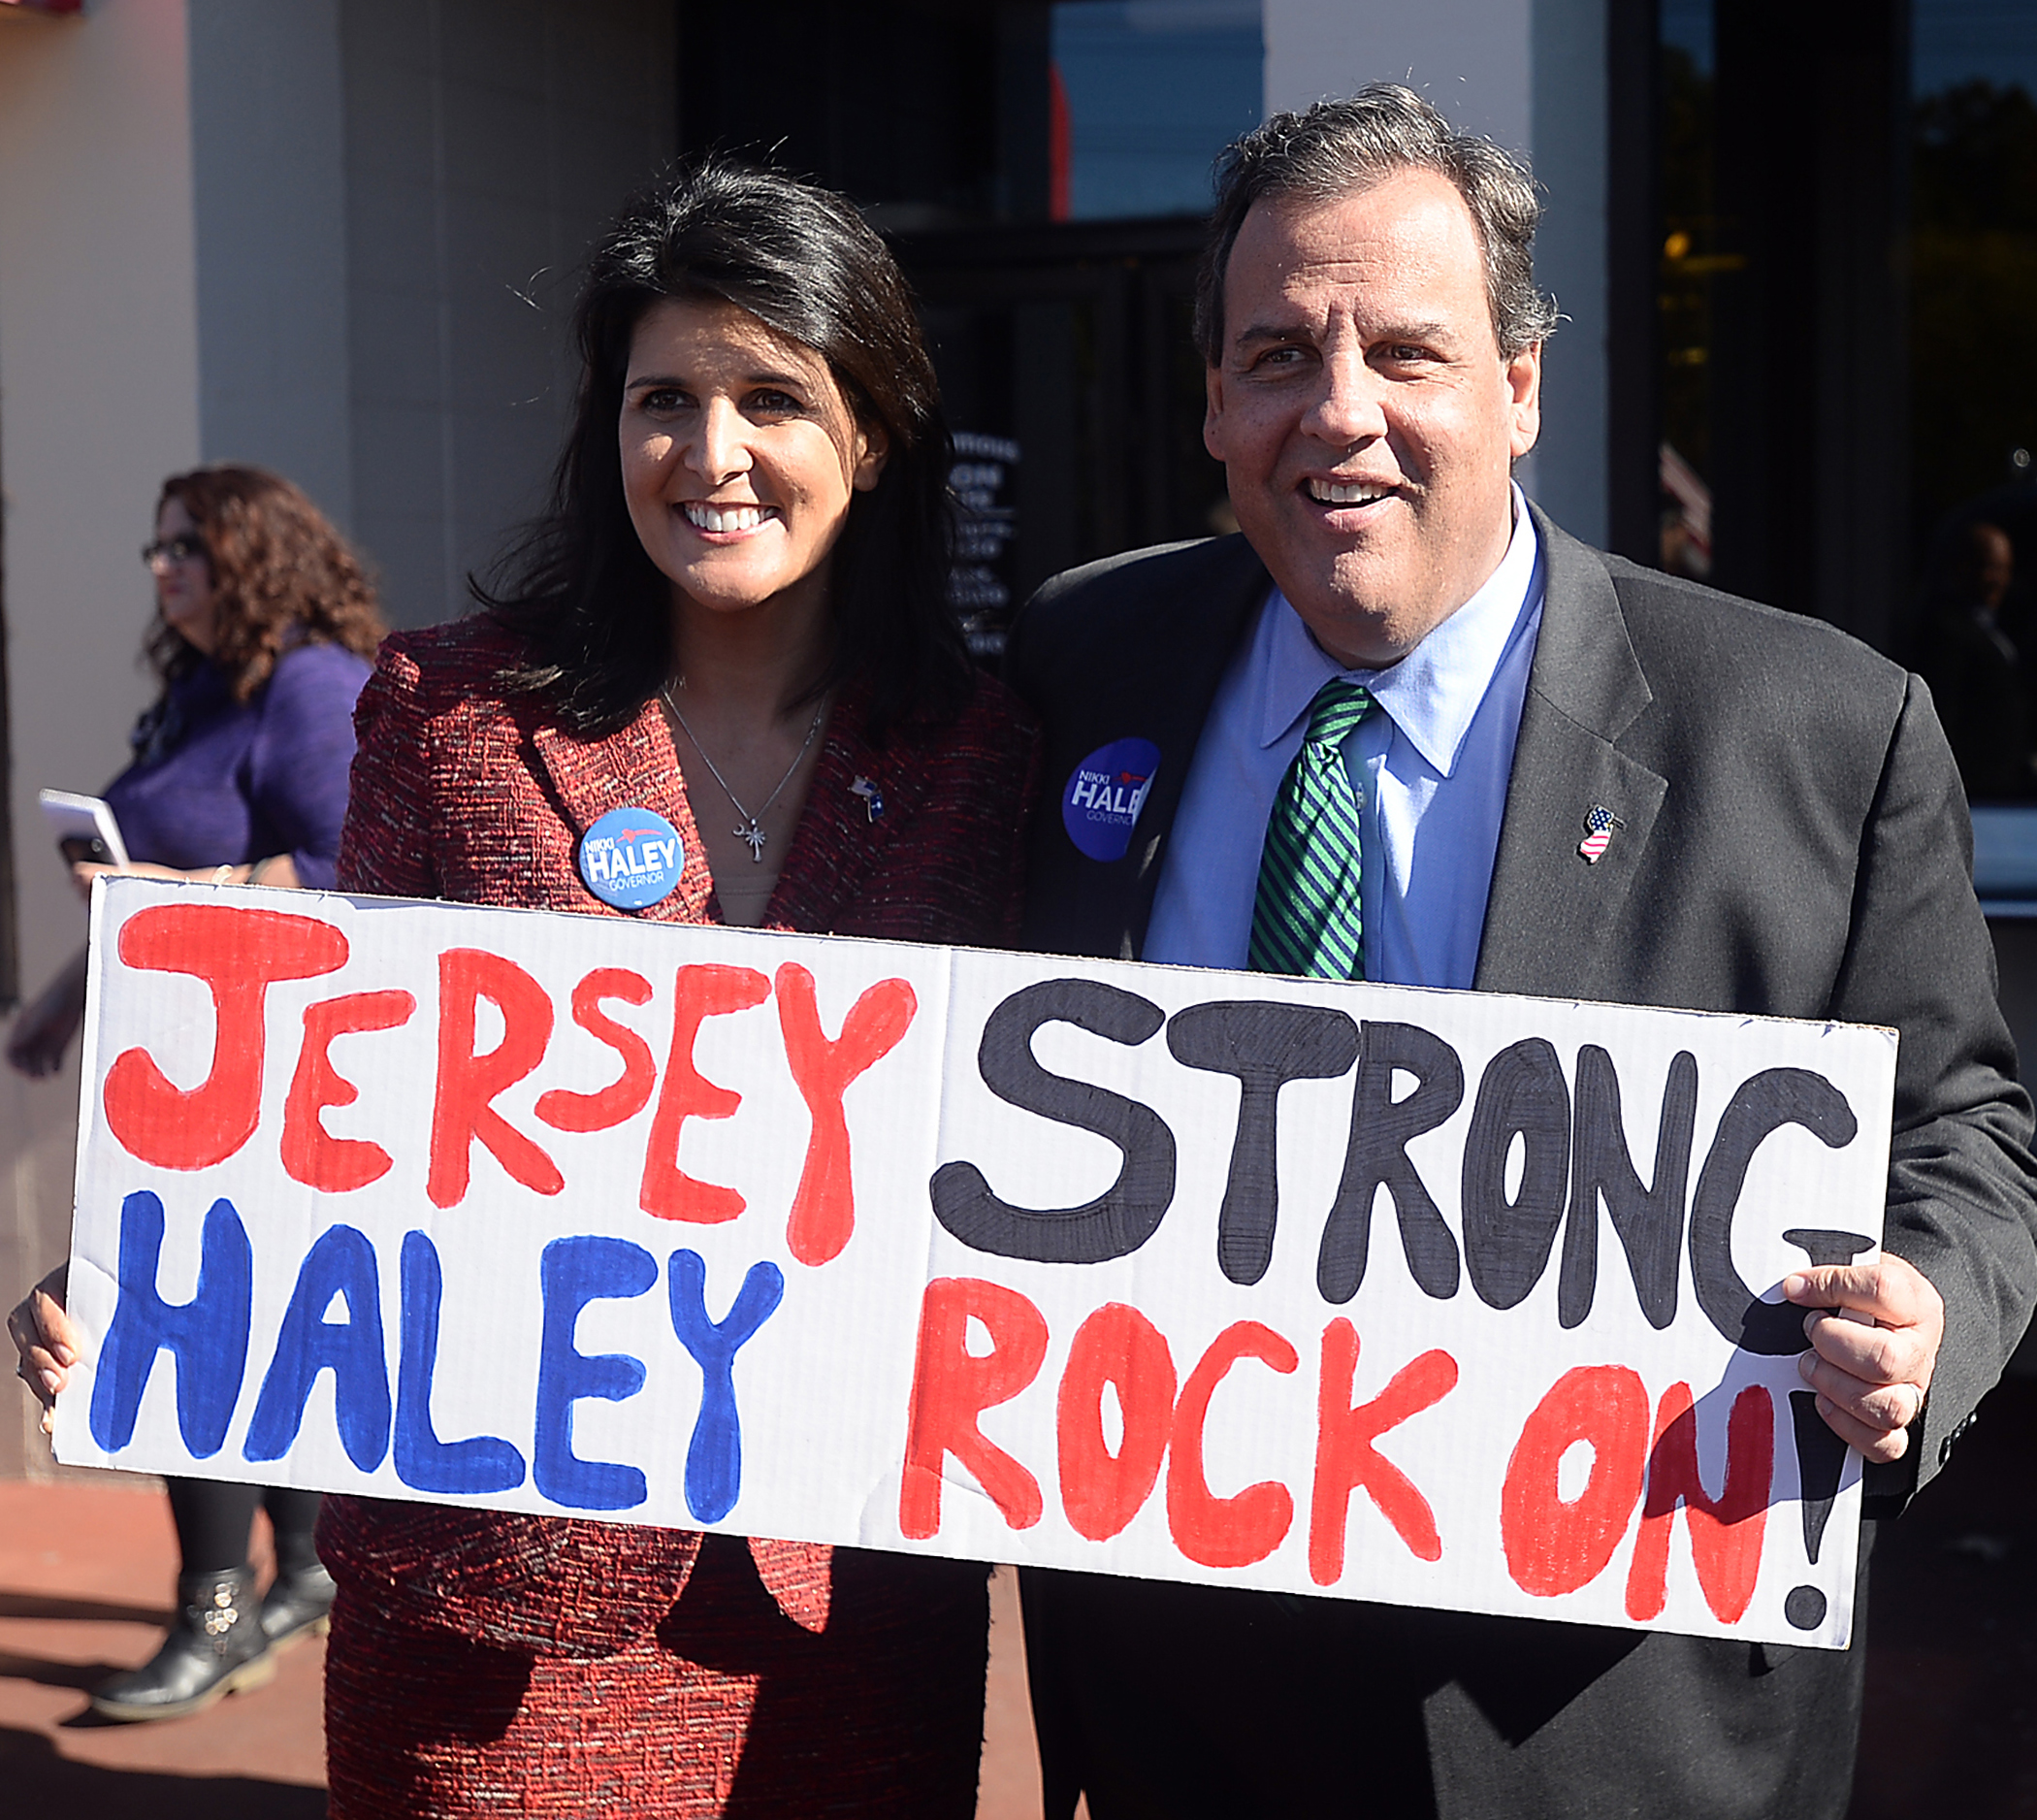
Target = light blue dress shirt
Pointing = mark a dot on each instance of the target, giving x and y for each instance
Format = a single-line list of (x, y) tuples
[(1430, 768)]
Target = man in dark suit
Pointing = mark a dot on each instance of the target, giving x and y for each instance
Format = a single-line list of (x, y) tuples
[(1522, 766)]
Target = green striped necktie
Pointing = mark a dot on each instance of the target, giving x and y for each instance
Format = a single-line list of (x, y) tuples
[(1308, 918)]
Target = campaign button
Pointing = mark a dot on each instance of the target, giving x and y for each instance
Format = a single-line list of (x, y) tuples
[(1101, 804), (632, 857)]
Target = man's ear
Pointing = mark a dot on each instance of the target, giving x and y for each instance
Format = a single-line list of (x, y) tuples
[(1524, 385), (1213, 411), (872, 449)]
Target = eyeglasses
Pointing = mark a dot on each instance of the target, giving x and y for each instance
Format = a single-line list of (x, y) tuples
[(174, 550)]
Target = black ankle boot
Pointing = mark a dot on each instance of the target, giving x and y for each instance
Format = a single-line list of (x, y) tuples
[(215, 1648), (296, 1604)]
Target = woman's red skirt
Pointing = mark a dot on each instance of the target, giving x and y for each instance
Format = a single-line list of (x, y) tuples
[(726, 1709)]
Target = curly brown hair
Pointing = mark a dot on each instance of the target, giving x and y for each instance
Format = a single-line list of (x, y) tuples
[(281, 574)]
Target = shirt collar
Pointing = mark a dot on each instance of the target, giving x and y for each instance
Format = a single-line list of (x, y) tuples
[(1433, 694)]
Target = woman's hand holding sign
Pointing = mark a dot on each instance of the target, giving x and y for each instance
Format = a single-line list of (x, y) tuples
[(46, 1340), (278, 871), (1874, 1331)]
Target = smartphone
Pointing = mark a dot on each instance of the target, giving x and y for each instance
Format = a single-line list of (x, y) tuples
[(86, 828)]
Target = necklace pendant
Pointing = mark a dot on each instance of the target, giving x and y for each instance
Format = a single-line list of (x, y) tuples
[(747, 828)]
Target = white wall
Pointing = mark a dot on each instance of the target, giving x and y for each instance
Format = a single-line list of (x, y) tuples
[(98, 401), (1530, 75)]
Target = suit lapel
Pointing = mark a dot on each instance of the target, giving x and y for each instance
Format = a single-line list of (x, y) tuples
[(1550, 908), (1176, 711), (636, 768), (1151, 666)]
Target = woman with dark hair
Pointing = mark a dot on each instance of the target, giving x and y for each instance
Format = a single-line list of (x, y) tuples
[(731, 624), (264, 625)]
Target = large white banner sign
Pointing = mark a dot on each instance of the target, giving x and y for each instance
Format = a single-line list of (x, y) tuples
[(1443, 1299)]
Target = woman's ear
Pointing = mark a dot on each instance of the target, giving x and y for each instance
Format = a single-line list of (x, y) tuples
[(872, 448)]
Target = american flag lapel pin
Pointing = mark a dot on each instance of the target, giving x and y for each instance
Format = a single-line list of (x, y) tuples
[(873, 797), (1600, 825)]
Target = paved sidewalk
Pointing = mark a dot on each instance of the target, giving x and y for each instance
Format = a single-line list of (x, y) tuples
[(87, 1571)]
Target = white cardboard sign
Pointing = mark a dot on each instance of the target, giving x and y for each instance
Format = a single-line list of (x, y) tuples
[(1442, 1299)]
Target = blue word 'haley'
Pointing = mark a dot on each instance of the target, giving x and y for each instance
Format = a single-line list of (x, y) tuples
[(208, 1337)]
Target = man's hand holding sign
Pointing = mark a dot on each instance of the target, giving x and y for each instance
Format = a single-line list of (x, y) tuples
[(1874, 1339)]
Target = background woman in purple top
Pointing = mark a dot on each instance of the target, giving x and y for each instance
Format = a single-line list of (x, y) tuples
[(264, 625)]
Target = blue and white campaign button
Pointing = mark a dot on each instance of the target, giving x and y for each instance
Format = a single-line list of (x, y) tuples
[(1100, 808), (632, 857)]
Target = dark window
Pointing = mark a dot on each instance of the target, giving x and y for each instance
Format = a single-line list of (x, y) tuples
[(1758, 165), (1973, 380)]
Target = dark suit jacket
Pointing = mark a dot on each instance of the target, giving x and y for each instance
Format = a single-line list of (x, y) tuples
[(1796, 844), (460, 794)]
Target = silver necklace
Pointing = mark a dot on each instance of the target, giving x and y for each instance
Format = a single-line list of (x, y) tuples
[(749, 831)]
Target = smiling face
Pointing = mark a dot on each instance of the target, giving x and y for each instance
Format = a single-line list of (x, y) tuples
[(739, 459), (183, 585), (1363, 412)]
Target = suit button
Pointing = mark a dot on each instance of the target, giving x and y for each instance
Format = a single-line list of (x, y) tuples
[(1945, 1446)]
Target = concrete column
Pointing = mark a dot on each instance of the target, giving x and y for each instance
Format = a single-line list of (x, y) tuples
[(1529, 75), (268, 148), (1472, 58), (1569, 145), (487, 143)]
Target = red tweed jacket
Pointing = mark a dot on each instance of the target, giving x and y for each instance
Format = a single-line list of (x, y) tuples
[(460, 794)]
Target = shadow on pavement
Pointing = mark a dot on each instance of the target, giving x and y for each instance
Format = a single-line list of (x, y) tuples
[(1951, 1633), (19, 1605), (43, 1673), (38, 1779)]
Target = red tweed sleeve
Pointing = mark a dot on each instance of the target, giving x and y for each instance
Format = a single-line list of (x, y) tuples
[(387, 842)]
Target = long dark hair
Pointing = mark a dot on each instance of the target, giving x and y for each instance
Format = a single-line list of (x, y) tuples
[(578, 585), (280, 575)]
